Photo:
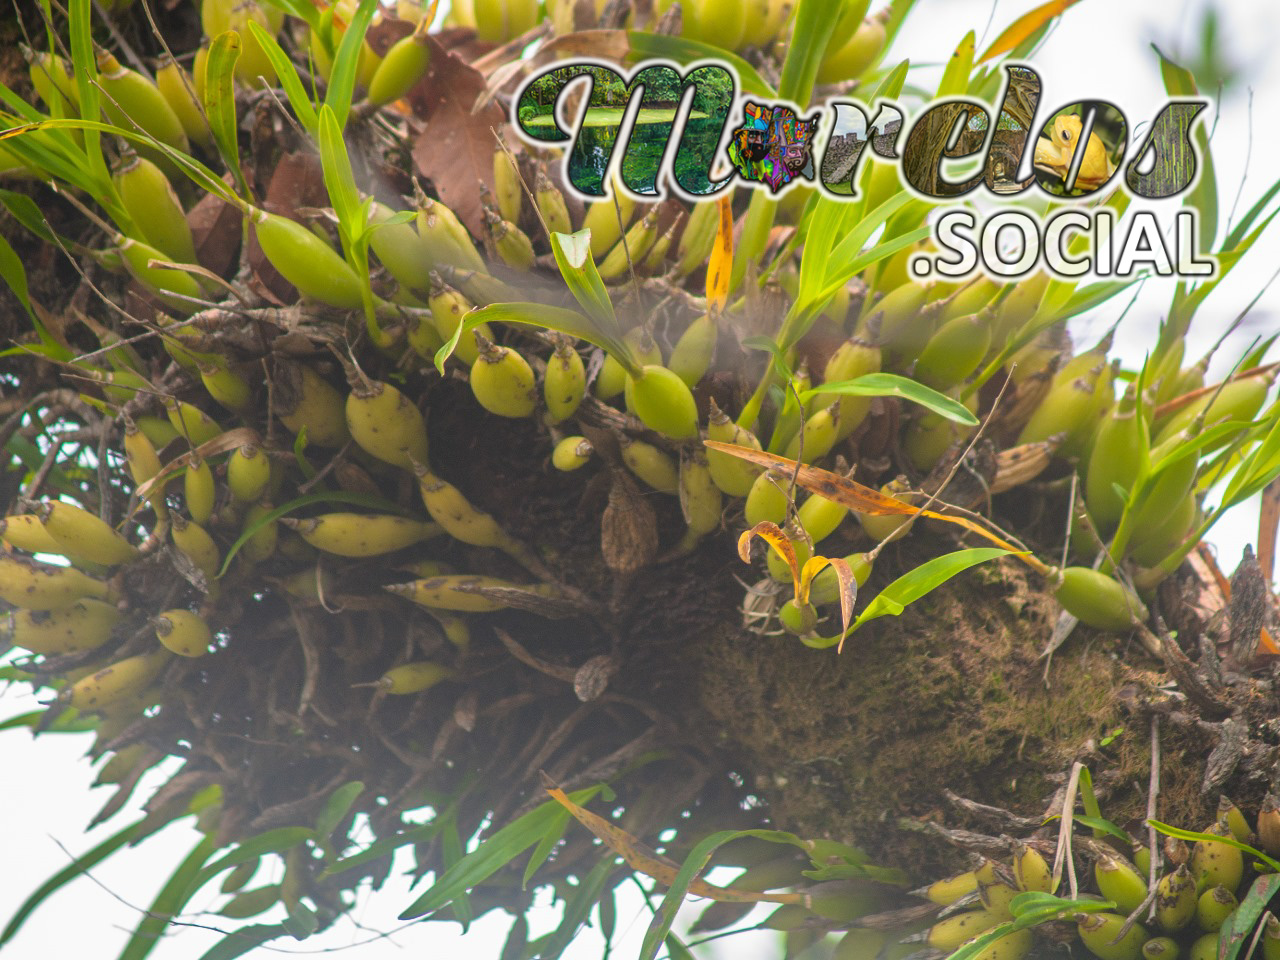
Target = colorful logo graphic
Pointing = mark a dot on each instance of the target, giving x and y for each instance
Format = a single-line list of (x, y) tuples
[(773, 145), (678, 135)]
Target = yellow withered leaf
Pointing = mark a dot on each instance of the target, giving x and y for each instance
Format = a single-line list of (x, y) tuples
[(861, 498), (772, 534), (848, 588), (720, 264), (1025, 26), (643, 860)]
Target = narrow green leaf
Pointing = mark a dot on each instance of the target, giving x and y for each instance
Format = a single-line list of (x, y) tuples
[(299, 446), (451, 847), (890, 87), (543, 850), (955, 78), (339, 181), (880, 251), (653, 46), (1193, 835), (270, 841), (303, 108), (915, 583), (980, 943), (853, 871), (810, 35), (824, 268), (53, 151), (1088, 798), (1095, 294), (192, 168), (1046, 908), (239, 942), (491, 855), (326, 496), (15, 275), (336, 808), (767, 344), (539, 315), (578, 908), (384, 846), (1030, 900), (1256, 356), (573, 257), (901, 206), (1238, 929), (607, 910), (173, 896), (694, 863), (220, 102), (28, 719), (1186, 307), (400, 216), (828, 219), (342, 78), (1258, 468), (307, 12), (1240, 229), (515, 947), (66, 875), (27, 212), (1099, 825), (301, 921), (892, 385), (676, 948), (85, 69)]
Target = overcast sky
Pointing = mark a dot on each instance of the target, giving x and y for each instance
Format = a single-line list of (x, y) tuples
[(1100, 51)]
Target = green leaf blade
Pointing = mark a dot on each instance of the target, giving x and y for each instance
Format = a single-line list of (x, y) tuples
[(559, 319), (64, 876), (918, 582), (288, 75), (342, 78), (892, 385), (220, 102)]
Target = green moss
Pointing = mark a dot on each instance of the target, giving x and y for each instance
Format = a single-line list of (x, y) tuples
[(952, 695)]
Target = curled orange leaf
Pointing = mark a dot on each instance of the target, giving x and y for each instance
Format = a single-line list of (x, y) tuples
[(644, 860), (848, 589), (773, 535), (848, 596), (1025, 26), (861, 498)]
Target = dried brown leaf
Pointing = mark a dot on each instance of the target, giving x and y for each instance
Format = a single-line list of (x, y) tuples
[(216, 229), (466, 710), (628, 529), (222, 443), (858, 497), (1268, 522), (456, 147), (591, 679)]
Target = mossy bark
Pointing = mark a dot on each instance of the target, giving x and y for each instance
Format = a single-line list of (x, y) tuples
[(954, 695)]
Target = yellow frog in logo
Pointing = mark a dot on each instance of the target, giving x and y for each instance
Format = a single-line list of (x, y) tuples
[(1054, 156)]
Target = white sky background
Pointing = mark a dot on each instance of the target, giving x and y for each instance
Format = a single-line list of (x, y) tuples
[(1099, 51)]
